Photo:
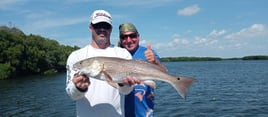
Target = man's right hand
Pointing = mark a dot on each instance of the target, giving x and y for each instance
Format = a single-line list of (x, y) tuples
[(81, 82), (131, 81)]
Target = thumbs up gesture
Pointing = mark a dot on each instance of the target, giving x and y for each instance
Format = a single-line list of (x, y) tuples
[(149, 54)]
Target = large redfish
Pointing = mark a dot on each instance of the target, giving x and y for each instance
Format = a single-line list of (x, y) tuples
[(114, 70)]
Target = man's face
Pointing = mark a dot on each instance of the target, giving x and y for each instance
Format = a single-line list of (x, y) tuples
[(101, 32), (130, 40)]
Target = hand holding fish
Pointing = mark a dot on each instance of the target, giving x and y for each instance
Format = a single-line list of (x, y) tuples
[(81, 82), (131, 81)]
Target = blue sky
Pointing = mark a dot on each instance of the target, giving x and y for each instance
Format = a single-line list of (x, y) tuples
[(201, 28)]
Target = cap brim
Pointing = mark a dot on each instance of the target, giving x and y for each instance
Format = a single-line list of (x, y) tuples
[(100, 20)]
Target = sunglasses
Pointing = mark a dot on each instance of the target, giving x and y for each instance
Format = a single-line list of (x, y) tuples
[(133, 35), (102, 25)]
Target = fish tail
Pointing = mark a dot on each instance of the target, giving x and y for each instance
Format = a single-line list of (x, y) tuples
[(182, 84)]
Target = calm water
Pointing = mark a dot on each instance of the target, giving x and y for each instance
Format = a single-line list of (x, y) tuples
[(223, 89)]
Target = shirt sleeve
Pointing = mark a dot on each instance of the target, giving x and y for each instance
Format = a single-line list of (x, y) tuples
[(71, 89), (125, 89)]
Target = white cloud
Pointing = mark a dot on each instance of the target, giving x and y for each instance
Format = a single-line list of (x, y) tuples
[(80, 41), (216, 44), (50, 23), (180, 41), (238, 45), (177, 41), (204, 41), (216, 33), (256, 30), (44, 24), (8, 4), (123, 3), (189, 10), (142, 3), (143, 42)]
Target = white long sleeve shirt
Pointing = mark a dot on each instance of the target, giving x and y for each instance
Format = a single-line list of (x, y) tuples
[(101, 99)]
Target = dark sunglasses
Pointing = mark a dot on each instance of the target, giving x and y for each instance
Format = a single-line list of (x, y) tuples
[(133, 35), (102, 25)]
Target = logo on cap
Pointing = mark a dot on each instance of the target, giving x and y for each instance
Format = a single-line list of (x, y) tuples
[(102, 14)]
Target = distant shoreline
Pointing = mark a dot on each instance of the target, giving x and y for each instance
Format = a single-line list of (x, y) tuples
[(175, 59)]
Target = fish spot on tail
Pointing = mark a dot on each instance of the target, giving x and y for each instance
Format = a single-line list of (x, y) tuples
[(178, 78)]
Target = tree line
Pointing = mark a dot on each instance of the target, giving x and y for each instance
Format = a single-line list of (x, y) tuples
[(23, 55), (174, 59)]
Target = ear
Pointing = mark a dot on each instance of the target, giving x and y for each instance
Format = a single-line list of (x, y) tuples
[(111, 28), (138, 36), (90, 28)]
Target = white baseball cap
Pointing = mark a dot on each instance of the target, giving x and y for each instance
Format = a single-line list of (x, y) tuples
[(100, 16)]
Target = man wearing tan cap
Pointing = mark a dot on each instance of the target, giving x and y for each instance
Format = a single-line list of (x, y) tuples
[(139, 103)]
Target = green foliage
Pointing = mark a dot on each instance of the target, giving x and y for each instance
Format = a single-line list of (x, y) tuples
[(5, 71), (260, 57), (32, 54), (172, 59)]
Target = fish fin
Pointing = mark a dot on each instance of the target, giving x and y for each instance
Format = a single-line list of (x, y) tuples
[(109, 80), (182, 84)]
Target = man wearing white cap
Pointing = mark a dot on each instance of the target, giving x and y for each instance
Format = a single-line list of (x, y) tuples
[(96, 98)]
